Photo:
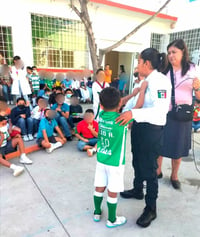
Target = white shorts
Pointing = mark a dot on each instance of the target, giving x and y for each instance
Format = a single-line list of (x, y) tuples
[(111, 177)]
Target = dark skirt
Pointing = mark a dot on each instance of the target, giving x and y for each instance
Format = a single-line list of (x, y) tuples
[(177, 139)]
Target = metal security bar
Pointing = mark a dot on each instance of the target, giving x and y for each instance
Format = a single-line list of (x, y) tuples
[(58, 42), (6, 45)]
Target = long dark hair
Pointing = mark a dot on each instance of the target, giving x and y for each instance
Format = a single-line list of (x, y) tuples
[(185, 62), (158, 60), (122, 68)]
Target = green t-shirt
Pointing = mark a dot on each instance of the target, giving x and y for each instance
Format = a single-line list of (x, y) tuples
[(111, 146)]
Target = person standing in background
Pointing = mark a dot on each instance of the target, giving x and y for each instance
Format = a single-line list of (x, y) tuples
[(108, 74), (97, 87), (20, 86), (123, 78), (177, 134)]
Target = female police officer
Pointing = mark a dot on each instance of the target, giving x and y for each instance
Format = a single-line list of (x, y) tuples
[(147, 131)]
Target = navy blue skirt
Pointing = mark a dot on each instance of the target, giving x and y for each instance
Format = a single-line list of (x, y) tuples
[(177, 138)]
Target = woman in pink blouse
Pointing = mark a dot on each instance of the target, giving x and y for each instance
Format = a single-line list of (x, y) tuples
[(177, 134)]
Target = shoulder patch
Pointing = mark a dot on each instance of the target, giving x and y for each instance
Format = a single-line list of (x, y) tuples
[(162, 94)]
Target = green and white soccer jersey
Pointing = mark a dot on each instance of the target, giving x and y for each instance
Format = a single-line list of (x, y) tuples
[(111, 144)]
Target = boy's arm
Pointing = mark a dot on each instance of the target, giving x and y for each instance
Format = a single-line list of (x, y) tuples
[(93, 131), (45, 135), (1, 138), (81, 138), (128, 97), (58, 130), (65, 114), (140, 100)]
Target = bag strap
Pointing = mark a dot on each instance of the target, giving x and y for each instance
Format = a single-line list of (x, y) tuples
[(173, 89)]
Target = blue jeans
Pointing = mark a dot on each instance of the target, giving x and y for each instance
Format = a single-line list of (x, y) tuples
[(36, 123), (196, 125), (7, 93), (70, 122), (26, 125), (62, 121), (92, 142)]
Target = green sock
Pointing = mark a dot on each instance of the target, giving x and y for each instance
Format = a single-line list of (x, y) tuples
[(97, 204), (112, 207)]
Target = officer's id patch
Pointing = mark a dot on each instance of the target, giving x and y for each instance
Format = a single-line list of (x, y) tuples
[(162, 94)]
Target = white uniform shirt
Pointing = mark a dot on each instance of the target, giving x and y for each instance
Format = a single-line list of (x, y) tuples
[(96, 89), (156, 102), (36, 113)]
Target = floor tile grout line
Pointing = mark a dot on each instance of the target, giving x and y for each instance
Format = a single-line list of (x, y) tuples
[(45, 199)]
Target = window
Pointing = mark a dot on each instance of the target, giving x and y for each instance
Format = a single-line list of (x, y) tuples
[(6, 47), (156, 41), (58, 42)]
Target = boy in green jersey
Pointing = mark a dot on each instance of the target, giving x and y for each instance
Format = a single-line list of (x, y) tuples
[(111, 149)]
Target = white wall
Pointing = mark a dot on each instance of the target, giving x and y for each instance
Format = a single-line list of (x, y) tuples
[(110, 24)]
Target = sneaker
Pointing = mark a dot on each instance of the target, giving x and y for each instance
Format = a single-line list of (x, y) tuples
[(35, 135), (18, 170), (69, 138), (25, 160), (50, 149), (120, 220), (198, 130), (97, 217), (53, 147), (8, 102), (30, 137), (90, 152), (11, 102), (25, 138)]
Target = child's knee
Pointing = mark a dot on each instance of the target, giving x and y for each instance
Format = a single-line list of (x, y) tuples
[(81, 145)]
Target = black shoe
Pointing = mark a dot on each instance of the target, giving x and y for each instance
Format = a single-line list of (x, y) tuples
[(147, 217), (132, 194), (69, 138), (159, 176), (176, 184)]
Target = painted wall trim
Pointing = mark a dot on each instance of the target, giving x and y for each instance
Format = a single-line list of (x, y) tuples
[(134, 9)]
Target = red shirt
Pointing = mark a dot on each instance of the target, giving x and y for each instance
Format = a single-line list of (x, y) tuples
[(82, 129)]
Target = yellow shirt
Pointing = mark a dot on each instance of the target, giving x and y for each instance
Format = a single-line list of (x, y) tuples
[(108, 75)]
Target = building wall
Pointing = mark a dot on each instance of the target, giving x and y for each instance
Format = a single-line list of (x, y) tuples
[(109, 24)]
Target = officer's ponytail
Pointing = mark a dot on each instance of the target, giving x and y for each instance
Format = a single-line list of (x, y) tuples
[(158, 60)]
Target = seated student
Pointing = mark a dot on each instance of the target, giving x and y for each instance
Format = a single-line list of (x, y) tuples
[(47, 94), (111, 149), (38, 113), (87, 131), (41, 92), (68, 95), (75, 109), (66, 83), (85, 94), (49, 80), (45, 136), (8, 144), (52, 97), (21, 117), (12, 129), (58, 80), (17, 170), (62, 116), (196, 117)]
